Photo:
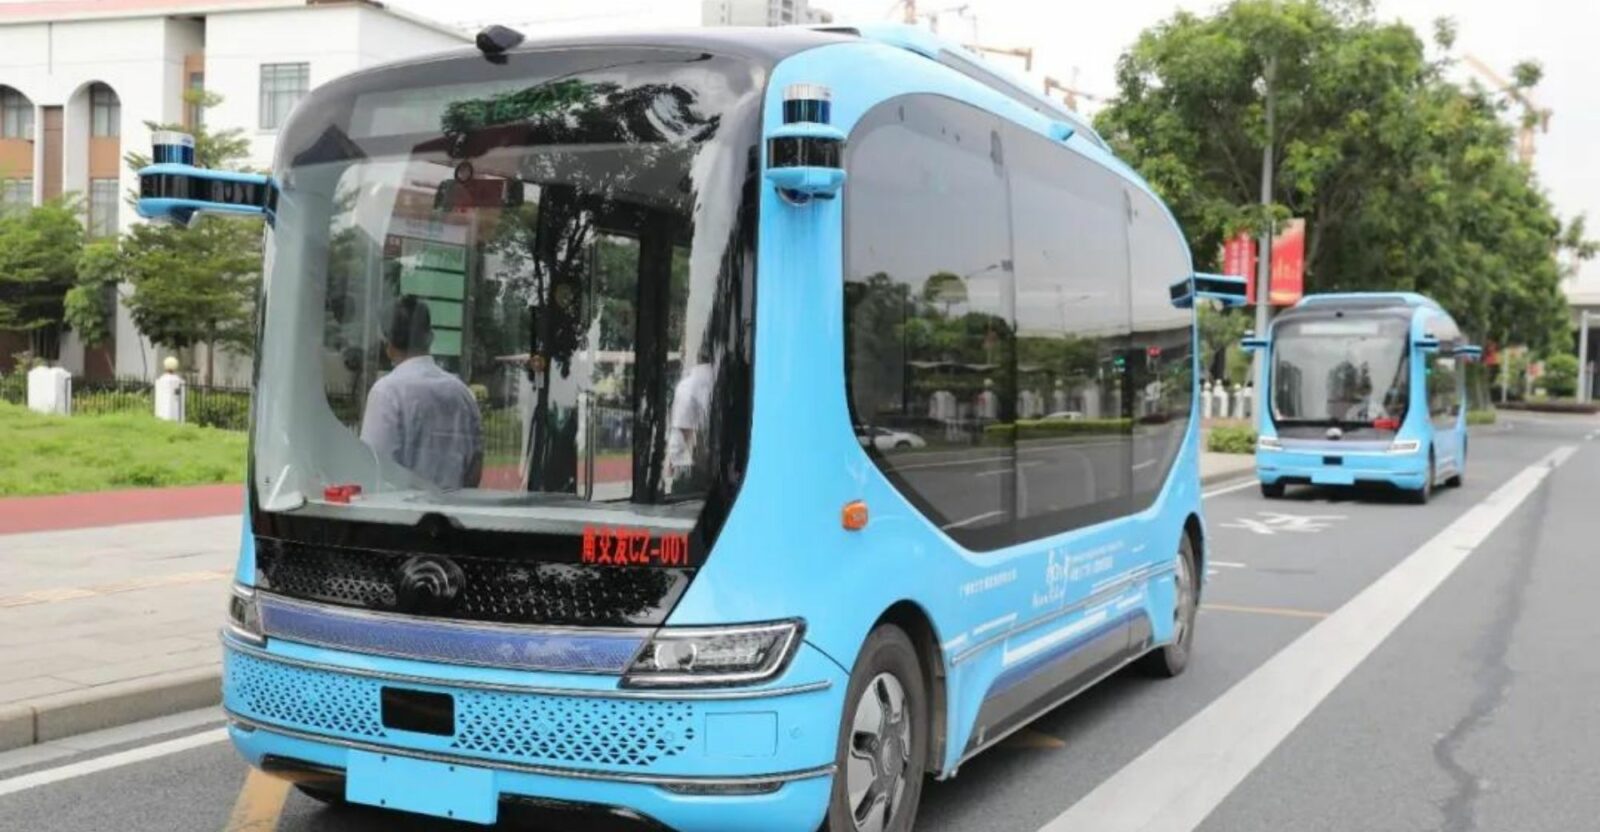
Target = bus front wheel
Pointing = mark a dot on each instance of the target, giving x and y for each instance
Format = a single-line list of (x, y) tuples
[(1171, 659), (1423, 494), (1273, 490), (883, 740)]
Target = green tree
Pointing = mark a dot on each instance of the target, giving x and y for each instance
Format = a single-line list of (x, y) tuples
[(1561, 375), (1404, 179), (39, 249), (91, 303), (196, 285)]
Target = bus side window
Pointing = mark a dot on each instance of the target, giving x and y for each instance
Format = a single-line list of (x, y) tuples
[(929, 346), (1069, 232)]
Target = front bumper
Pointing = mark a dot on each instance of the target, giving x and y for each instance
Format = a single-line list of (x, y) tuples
[(689, 760), (1403, 471)]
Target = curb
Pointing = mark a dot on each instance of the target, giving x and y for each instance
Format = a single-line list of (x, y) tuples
[(1218, 477), (108, 706)]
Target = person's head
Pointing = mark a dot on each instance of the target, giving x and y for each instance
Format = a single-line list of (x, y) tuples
[(410, 329)]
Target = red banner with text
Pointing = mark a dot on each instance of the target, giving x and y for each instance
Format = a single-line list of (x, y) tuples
[(1288, 265)]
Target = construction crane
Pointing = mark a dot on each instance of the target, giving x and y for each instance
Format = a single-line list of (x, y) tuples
[(1533, 116), (911, 15), (1070, 92), (1023, 52)]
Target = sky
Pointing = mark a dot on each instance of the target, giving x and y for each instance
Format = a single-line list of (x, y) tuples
[(1082, 40)]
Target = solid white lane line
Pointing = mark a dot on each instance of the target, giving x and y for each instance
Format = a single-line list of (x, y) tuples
[(1227, 564), (1229, 488), (110, 761), (1180, 779)]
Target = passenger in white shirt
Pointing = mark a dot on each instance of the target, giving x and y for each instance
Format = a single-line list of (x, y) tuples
[(419, 415), (690, 414)]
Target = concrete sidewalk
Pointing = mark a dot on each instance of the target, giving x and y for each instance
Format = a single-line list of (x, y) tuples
[(115, 624), (110, 625)]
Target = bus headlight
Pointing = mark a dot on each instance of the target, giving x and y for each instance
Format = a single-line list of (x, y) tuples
[(244, 615), (1268, 443), (704, 656), (1405, 446)]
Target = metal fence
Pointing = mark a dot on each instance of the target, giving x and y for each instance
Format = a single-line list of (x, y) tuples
[(216, 406)]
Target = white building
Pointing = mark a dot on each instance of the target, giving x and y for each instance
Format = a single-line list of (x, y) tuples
[(79, 79), (558, 17)]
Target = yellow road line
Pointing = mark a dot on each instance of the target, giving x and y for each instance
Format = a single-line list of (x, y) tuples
[(1029, 738), (70, 593), (1283, 611), (259, 805)]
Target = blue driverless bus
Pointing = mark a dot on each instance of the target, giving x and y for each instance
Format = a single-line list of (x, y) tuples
[(558, 494), (1363, 389)]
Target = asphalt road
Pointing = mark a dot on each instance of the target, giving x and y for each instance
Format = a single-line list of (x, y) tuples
[(1475, 712)]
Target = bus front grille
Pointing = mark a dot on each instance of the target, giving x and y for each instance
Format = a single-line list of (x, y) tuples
[(528, 728), (494, 589)]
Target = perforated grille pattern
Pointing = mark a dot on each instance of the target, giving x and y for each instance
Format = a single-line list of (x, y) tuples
[(493, 589), (576, 730), (302, 698), (538, 729)]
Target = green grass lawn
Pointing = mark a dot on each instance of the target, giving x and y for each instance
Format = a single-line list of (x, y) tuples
[(59, 455)]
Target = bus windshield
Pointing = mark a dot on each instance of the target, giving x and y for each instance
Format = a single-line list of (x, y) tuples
[(1350, 373), (515, 295)]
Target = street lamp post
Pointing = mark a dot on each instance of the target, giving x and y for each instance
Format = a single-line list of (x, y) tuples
[(1264, 262), (1585, 381)]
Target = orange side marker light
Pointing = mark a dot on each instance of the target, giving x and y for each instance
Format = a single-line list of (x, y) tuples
[(854, 516)]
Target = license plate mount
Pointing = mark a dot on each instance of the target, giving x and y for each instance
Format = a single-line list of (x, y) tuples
[(407, 784)]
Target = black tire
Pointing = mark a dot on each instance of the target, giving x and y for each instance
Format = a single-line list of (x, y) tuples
[(1273, 491), (887, 652), (1172, 659), (902, 445), (1460, 475), (1422, 495), (321, 794)]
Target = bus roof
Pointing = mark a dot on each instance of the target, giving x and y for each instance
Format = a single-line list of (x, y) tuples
[(1368, 300)]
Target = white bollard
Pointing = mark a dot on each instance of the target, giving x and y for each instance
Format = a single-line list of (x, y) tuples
[(1247, 403), (1208, 402), (169, 393), (50, 391), (1237, 401), (1222, 400)]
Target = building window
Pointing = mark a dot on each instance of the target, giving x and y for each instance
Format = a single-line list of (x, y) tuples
[(282, 86), (103, 207), (105, 111), (16, 115), (196, 111), (16, 193)]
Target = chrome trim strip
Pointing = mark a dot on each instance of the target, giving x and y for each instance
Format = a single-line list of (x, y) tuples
[(1142, 574), (1002, 736), (404, 678), (524, 768), (270, 597), (272, 608)]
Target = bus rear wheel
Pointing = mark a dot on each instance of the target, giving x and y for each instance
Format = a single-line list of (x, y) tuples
[(1273, 491), (883, 739), (1172, 658)]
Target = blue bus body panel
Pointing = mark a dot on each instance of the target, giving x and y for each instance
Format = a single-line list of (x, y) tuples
[(1098, 594), (1313, 460), (783, 552)]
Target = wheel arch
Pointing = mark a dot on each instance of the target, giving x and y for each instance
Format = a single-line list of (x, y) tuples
[(1195, 531), (910, 617)]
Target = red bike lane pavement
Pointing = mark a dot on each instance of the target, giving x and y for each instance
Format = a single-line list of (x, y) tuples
[(112, 508)]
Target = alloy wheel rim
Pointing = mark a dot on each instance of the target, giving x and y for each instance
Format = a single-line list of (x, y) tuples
[(1183, 611), (880, 754)]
